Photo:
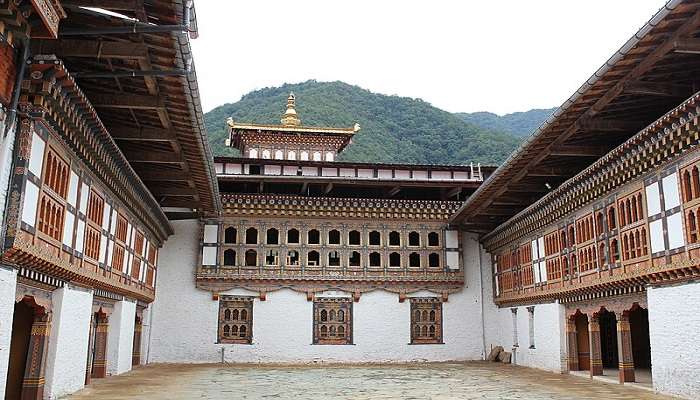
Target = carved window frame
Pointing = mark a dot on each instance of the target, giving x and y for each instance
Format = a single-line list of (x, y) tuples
[(432, 327), (235, 304), (334, 305)]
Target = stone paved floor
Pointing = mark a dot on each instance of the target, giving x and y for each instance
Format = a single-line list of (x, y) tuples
[(474, 380)]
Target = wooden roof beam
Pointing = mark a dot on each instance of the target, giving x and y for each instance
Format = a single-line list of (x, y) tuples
[(689, 46), (170, 191), (657, 89), (127, 101), (90, 49), (605, 125), (577, 151), (154, 157), (114, 5), (150, 175), (143, 134), (551, 171)]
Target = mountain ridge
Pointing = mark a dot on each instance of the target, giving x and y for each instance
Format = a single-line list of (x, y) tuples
[(394, 129)]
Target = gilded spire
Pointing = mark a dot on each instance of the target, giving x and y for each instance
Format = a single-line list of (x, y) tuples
[(290, 117)]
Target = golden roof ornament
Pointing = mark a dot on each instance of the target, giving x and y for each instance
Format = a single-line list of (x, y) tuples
[(290, 117)]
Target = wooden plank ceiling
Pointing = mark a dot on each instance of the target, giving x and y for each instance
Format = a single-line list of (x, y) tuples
[(144, 87), (654, 72)]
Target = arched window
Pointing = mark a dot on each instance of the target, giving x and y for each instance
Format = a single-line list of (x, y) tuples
[(253, 153), (234, 315), (266, 154), (614, 251), (414, 260), (599, 223), (324, 330), (251, 236), (227, 330), (394, 260), (424, 330), (291, 155), (333, 236), (416, 316), (354, 238), (230, 235), (341, 331), (234, 330), (566, 266), (433, 260), (272, 257), (230, 257), (242, 331), (227, 314), (314, 237), (354, 260), (341, 316), (304, 156), (331, 331), (375, 259), (293, 236), (279, 155), (572, 235), (244, 315), (251, 258), (562, 239), (333, 259), (432, 315), (273, 236), (324, 315), (625, 247), (292, 257), (331, 315), (394, 238), (687, 186), (696, 182), (692, 227), (424, 315), (317, 156), (635, 217), (431, 331), (433, 239), (413, 239), (313, 258), (329, 156), (612, 222), (601, 255), (375, 238)]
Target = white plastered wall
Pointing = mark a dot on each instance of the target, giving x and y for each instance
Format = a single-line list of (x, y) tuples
[(120, 337), (282, 323), (68, 341), (674, 323), (8, 287), (549, 352)]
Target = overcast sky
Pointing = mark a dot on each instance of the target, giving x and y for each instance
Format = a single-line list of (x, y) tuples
[(505, 56)]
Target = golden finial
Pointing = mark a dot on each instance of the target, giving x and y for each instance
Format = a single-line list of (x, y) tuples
[(290, 117)]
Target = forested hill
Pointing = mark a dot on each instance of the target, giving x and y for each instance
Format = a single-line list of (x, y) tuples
[(394, 129), (519, 123)]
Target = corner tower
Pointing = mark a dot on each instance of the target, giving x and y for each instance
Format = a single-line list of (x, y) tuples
[(290, 140)]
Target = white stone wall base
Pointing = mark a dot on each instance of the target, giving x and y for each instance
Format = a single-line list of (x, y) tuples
[(66, 360), (120, 337), (674, 323), (8, 287)]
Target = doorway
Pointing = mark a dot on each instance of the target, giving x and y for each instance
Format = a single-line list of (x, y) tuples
[(19, 348), (582, 342), (608, 339), (641, 346)]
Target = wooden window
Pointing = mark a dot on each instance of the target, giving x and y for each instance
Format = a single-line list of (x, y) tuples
[(150, 275), (333, 259), (95, 210), (92, 243), (273, 236), (57, 174), (272, 258), (394, 239), (433, 239), (354, 260), (314, 237), (230, 257), (333, 237), (251, 258), (118, 257), (313, 259), (292, 257), (121, 228), (414, 260), (138, 243), (414, 239), (692, 227), (375, 238), (332, 321), (426, 320), (434, 260), (394, 260), (293, 236), (152, 254), (375, 259), (230, 235), (251, 236), (135, 268), (612, 219), (236, 319), (354, 238), (51, 215)]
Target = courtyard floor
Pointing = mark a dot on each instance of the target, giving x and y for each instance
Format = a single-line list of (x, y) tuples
[(473, 380)]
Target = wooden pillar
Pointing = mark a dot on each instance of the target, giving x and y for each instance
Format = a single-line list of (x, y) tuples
[(136, 352), (572, 344), (99, 363), (624, 349), (595, 348), (33, 381)]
